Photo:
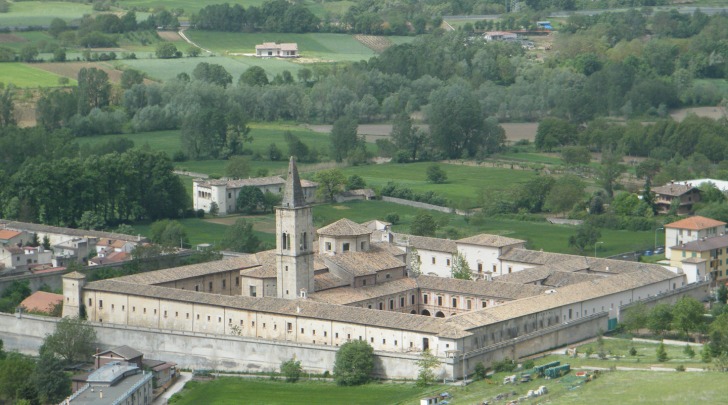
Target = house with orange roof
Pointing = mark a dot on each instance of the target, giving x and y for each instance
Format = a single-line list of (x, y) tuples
[(691, 229)]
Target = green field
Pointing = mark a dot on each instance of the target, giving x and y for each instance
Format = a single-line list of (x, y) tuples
[(464, 183), (190, 6), (201, 231), (36, 13), (333, 47), (233, 390), (26, 76)]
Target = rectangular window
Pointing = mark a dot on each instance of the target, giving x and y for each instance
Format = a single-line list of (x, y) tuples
[(412, 299), (454, 302), (123, 307), (364, 282), (289, 327), (223, 283), (237, 281), (469, 304), (101, 304), (447, 262), (210, 285), (345, 247), (165, 314), (433, 259), (424, 298), (362, 245), (197, 288), (391, 305), (401, 301), (253, 292), (439, 301), (381, 306)]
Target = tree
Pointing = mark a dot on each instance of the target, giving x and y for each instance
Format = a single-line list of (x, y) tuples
[(250, 200), (687, 315), (28, 53), (407, 137), (193, 51), (554, 132), (636, 317), (566, 191), (354, 363), (212, 73), (718, 333), (270, 201), (292, 370), (51, 382), (426, 364), (722, 294), (131, 77), (238, 167), (57, 26), (661, 353), (253, 76), (240, 237), (167, 50), (575, 155), (456, 121), (415, 262), (460, 267), (586, 236), (16, 371), (355, 182), (274, 153), (73, 340), (94, 90), (689, 351), (7, 106), (343, 137), (169, 233), (609, 171), (660, 319), (330, 182), (435, 174), (423, 225)]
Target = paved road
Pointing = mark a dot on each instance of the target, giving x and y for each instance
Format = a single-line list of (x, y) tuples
[(176, 387)]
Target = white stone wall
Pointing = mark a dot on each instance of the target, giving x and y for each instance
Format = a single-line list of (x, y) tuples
[(435, 263)]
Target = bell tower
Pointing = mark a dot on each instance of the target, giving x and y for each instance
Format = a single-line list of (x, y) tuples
[(294, 240)]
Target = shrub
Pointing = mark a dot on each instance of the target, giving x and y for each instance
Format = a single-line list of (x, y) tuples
[(480, 371), (680, 368), (528, 364), (689, 351), (354, 363), (392, 218), (292, 370), (505, 365), (661, 353), (632, 351)]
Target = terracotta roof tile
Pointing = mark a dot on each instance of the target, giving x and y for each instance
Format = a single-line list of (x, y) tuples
[(426, 243), (695, 223), (194, 270), (41, 301), (7, 234), (673, 189)]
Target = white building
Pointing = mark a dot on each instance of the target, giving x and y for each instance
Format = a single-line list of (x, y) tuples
[(225, 192), (690, 230), (274, 50), (482, 252)]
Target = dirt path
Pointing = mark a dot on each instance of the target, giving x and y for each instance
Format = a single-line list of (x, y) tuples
[(181, 33)]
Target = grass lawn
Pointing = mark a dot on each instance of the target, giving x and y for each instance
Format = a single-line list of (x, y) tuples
[(232, 390), (25, 13), (332, 47), (201, 231), (27, 76), (190, 6), (464, 183)]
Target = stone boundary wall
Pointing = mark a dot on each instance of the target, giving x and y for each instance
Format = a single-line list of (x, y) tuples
[(25, 334), (425, 206)]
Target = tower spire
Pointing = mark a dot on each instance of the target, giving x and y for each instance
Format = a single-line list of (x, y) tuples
[(293, 192)]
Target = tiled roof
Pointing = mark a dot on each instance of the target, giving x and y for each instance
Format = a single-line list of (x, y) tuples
[(83, 233), (427, 243), (363, 263), (7, 234), (695, 223), (194, 270), (74, 275), (695, 260), (325, 281), (305, 308), (563, 296), (350, 295), (673, 189), (267, 265), (703, 245), (125, 352), (490, 289), (490, 240), (41, 301), (344, 227)]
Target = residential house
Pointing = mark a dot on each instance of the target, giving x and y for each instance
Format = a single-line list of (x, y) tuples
[(358, 194), (691, 229), (275, 50), (713, 250), (73, 250), (121, 353), (225, 192), (684, 194), (25, 257)]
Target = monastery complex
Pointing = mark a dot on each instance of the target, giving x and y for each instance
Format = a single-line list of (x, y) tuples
[(321, 288)]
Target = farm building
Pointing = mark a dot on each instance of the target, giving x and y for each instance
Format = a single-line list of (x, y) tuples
[(274, 50)]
